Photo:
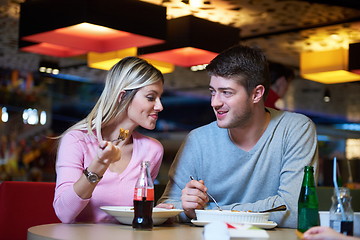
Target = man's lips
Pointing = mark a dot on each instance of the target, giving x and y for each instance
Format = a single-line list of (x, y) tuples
[(220, 113)]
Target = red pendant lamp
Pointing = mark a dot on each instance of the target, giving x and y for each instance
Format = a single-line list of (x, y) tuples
[(73, 27)]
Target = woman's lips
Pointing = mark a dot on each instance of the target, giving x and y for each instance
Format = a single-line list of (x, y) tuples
[(154, 116)]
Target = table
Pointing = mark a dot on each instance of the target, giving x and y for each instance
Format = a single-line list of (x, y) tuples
[(117, 231)]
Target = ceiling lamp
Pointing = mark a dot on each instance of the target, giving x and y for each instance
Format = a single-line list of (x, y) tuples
[(49, 49), (354, 58), (192, 41), (106, 60), (91, 25), (327, 67)]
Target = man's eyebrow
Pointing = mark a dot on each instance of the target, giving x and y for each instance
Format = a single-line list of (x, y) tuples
[(222, 88)]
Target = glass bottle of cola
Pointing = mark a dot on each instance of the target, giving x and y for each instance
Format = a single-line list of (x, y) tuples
[(143, 199), (308, 206)]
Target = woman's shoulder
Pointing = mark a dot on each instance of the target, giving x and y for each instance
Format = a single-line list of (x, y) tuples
[(78, 135), (146, 140)]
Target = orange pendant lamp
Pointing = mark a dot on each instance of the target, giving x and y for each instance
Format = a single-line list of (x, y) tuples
[(105, 61), (192, 41), (68, 27), (328, 67)]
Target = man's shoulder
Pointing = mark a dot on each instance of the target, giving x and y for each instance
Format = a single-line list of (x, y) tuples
[(292, 117), (296, 117), (205, 129)]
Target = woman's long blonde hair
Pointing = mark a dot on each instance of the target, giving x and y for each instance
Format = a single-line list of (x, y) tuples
[(129, 75)]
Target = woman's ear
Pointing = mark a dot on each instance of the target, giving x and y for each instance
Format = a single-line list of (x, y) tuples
[(258, 93), (121, 95)]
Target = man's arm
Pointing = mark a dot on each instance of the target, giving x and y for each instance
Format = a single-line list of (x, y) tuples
[(181, 191)]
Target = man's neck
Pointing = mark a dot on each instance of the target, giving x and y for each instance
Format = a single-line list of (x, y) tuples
[(246, 137)]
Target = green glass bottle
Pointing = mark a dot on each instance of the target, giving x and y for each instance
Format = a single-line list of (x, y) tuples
[(308, 205)]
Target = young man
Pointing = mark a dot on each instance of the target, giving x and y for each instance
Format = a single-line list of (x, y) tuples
[(251, 158)]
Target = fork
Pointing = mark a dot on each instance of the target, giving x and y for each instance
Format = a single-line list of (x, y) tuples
[(210, 196)]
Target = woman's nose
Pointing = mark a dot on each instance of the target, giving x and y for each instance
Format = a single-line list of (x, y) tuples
[(158, 106)]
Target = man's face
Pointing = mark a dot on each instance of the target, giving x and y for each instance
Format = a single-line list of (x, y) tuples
[(231, 104)]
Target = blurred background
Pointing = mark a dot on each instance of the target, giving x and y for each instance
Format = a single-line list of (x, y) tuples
[(37, 105)]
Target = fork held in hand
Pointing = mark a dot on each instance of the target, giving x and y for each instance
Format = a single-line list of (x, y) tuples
[(210, 196)]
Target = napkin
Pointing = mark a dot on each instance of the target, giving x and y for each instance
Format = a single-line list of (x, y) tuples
[(240, 230), (227, 231), (216, 231)]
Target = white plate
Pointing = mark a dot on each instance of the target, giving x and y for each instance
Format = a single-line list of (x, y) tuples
[(125, 215), (231, 216), (267, 225)]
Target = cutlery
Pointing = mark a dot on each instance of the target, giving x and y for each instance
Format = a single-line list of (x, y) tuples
[(275, 209), (210, 196)]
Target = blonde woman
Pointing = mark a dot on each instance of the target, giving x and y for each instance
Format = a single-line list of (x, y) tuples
[(98, 158)]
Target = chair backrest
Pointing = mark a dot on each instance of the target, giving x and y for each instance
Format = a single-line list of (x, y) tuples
[(23, 205)]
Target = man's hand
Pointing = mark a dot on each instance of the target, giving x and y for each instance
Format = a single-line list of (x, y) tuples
[(194, 197)]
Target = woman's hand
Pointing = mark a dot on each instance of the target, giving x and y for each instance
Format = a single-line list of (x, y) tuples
[(107, 152), (165, 205), (325, 233)]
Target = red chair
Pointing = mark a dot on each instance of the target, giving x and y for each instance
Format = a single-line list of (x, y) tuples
[(23, 205)]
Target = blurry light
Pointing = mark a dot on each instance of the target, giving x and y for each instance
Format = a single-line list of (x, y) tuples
[(33, 117), (25, 115), (198, 67), (352, 148), (43, 118), (42, 69), (335, 36), (196, 3), (348, 126), (4, 115), (327, 97), (323, 138), (30, 116), (48, 70), (55, 71)]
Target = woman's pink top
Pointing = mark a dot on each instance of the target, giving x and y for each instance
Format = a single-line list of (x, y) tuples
[(113, 189)]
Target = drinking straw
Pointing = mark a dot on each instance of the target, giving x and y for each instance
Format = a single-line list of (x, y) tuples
[(337, 191)]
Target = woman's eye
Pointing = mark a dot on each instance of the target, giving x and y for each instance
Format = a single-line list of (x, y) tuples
[(150, 98)]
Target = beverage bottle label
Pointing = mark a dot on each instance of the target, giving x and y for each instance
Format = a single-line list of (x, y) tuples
[(139, 193)]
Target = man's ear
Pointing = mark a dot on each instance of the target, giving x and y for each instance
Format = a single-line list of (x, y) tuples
[(258, 93), (121, 95)]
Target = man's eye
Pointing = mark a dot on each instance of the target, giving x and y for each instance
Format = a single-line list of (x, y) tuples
[(212, 92), (227, 93)]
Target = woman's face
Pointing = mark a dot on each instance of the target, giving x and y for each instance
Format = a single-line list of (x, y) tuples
[(145, 106)]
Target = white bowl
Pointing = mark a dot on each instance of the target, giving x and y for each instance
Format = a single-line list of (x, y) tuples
[(231, 216), (125, 215), (324, 221)]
